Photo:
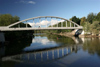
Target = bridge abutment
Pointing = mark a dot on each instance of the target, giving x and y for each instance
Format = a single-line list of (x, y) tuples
[(2, 38)]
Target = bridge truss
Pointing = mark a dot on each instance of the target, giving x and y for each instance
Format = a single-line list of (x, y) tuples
[(42, 23)]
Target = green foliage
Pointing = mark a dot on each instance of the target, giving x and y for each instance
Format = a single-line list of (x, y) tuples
[(83, 20), (98, 17), (61, 39), (95, 27), (76, 20), (91, 17), (18, 40), (86, 27), (7, 19), (20, 25), (92, 46), (93, 23)]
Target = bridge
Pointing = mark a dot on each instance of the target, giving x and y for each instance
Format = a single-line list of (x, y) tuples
[(42, 23)]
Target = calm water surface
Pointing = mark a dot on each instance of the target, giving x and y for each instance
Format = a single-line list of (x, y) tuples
[(44, 50)]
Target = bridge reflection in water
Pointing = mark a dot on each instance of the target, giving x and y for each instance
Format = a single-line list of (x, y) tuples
[(43, 56)]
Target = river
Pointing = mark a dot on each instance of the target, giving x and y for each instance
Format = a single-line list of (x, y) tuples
[(46, 50)]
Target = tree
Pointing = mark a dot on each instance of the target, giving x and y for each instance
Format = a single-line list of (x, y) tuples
[(98, 17), (83, 20), (76, 20), (91, 17), (7, 19), (86, 27), (95, 27)]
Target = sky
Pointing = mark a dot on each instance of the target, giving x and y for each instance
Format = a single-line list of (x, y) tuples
[(61, 8)]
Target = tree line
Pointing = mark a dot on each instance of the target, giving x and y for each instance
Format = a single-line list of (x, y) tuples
[(7, 19), (91, 23)]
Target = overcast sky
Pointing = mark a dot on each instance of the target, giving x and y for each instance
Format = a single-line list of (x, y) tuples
[(62, 8)]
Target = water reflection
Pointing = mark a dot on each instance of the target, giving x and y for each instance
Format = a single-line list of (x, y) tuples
[(41, 43), (42, 56), (55, 52), (2, 51), (42, 40), (92, 45)]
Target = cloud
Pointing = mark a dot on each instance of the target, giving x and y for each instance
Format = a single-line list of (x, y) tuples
[(45, 22), (31, 24), (26, 2), (40, 43), (31, 2), (43, 41)]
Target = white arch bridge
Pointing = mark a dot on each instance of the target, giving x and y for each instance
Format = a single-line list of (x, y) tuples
[(42, 23)]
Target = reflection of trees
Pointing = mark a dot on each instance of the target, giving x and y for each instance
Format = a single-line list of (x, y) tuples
[(17, 41), (61, 39), (7, 64), (93, 46)]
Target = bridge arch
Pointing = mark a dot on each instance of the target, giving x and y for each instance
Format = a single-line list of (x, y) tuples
[(65, 24), (45, 18)]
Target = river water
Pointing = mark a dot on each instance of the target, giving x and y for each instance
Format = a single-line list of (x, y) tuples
[(46, 50)]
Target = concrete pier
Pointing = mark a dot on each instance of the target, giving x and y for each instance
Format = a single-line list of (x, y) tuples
[(2, 38)]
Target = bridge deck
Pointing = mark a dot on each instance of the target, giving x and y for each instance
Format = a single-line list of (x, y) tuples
[(29, 28)]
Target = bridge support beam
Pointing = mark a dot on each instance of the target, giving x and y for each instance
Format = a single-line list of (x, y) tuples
[(40, 21), (33, 21), (51, 22), (66, 23), (46, 20), (74, 24), (61, 24), (57, 22), (70, 24), (19, 25), (26, 24)]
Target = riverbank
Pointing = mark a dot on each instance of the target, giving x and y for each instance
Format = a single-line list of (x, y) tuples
[(88, 35), (70, 34)]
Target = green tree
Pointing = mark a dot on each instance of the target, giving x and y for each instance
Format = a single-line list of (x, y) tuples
[(7, 19), (91, 17), (98, 17), (95, 27), (76, 20), (83, 20), (86, 27)]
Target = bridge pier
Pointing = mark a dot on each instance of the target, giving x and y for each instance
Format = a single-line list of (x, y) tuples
[(78, 32), (2, 38)]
